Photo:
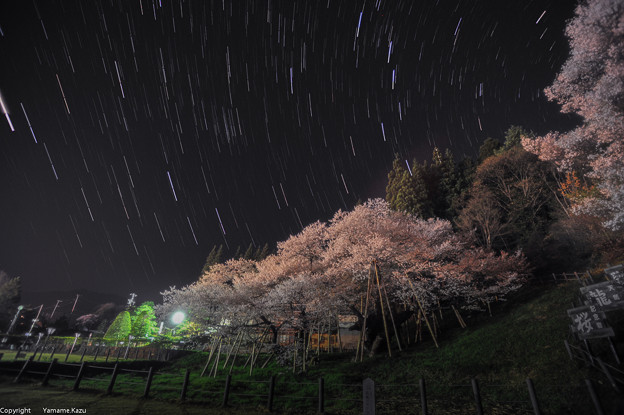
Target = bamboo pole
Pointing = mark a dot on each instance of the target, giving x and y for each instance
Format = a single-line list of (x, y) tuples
[(235, 354), (461, 321), (363, 332), (318, 339), (238, 335), (212, 349), (424, 315), (383, 313), (396, 333), (216, 363), (339, 336)]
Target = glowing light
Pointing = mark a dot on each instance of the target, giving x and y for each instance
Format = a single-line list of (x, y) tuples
[(178, 317)]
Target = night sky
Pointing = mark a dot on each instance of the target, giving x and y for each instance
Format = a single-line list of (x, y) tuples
[(147, 131)]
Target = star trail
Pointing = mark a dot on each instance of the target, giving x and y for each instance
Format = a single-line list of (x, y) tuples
[(141, 133)]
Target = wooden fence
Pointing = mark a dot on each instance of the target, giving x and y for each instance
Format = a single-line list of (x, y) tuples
[(271, 392)]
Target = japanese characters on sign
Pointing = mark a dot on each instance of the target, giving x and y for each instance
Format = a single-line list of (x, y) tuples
[(616, 273), (589, 323), (608, 295)]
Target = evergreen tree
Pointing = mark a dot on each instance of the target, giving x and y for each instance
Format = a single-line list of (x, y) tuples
[(144, 320), (214, 257), (120, 328), (513, 138), (249, 253), (488, 149), (238, 252), (265, 252)]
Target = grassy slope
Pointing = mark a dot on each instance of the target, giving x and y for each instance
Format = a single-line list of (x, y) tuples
[(523, 339)]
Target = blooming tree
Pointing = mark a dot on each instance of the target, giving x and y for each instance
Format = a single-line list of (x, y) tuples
[(370, 254), (591, 84)]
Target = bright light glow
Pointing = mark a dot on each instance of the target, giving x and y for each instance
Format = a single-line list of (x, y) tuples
[(178, 317)]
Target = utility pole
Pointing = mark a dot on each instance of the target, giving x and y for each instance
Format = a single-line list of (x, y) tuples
[(77, 295), (57, 303)]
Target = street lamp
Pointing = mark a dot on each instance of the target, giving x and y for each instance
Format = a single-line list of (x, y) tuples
[(178, 317)]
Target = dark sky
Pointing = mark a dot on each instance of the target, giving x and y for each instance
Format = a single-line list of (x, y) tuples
[(147, 131)]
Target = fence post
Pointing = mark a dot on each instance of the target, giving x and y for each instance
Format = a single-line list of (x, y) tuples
[(97, 351), (111, 385), (368, 396), (79, 375), (226, 392), (1, 354), (321, 396), (594, 397), (84, 351), (23, 370), (37, 349), (185, 384), (69, 350), (52, 354), (41, 353), (148, 382), (477, 396), (423, 396), (271, 393), (107, 354), (48, 373), (533, 396)]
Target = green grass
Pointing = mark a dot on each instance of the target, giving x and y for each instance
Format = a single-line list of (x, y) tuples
[(523, 339)]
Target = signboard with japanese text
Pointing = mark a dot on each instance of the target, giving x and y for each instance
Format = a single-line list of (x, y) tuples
[(608, 295), (589, 323), (616, 273)]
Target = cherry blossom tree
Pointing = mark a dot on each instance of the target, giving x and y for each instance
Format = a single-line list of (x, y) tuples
[(591, 84), (371, 254)]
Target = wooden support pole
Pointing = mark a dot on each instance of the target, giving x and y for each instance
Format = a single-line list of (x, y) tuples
[(95, 356), (271, 393), (48, 373), (148, 382), (212, 348), (423, 396), (235, 354), (477, 395), (23, 370), (185, 384), (111, 384), (424, 315), (215, 367), (79, 375), (363, 332), (226, 391), (396, 332), (321, 396), (383, 313), (227, 359)]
